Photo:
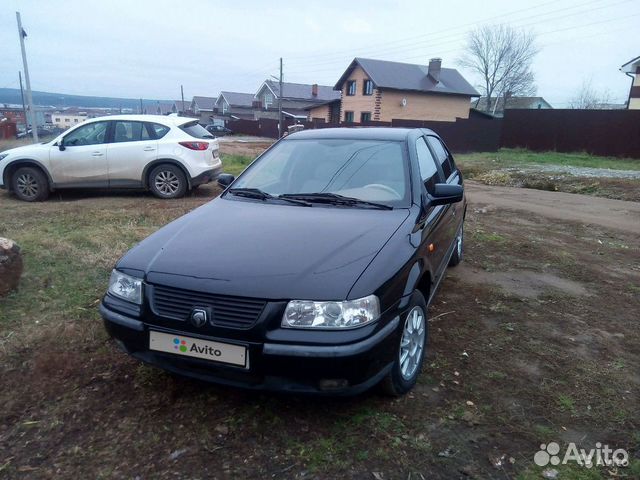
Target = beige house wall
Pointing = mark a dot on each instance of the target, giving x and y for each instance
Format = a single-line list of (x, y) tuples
[(386, 105), (322, 111), (634, 104), (423, 106), (357, 103)]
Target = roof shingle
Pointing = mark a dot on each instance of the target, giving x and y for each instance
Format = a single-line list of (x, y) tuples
[(409, 76)]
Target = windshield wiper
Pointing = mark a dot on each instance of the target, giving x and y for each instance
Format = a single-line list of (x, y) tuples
[(334, 199), (261, 195)]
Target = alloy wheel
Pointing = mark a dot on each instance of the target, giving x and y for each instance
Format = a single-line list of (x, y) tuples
[(412, 343), (166, 182), (27, 185)]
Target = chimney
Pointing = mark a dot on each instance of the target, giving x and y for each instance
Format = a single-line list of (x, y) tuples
[(314, 89), (434, 69)]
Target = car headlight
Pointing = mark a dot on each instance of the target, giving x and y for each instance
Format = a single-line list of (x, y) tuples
[(125, 287), (3, 156), (333, 315)]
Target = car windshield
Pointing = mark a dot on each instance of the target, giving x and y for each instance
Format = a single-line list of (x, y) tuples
[(370, 170)]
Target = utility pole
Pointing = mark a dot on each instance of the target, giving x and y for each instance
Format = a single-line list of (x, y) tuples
[(182, 96), (34, 123), (24, 107), (140, 106), (280, 104)]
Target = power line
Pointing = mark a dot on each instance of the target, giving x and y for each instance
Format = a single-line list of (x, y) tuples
[(449, 33), (573, 27)]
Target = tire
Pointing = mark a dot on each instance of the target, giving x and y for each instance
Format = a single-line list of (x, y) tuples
[(167, 181), (30, 184), (404, 374), (458, 252)]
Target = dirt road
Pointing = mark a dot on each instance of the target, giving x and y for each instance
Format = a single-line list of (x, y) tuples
[(615, 214)]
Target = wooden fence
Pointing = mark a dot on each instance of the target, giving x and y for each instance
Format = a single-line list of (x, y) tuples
[(599, 132)]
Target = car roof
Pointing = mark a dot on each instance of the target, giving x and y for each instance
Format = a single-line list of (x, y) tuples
[(163, 119), (356, 133)]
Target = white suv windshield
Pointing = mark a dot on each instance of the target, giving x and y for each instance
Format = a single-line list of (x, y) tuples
[(371, 170)]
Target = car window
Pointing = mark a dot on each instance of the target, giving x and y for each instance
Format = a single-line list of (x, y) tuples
[(373, 170), (126, 131), (442, 156), (195, 130), (160, 130), (93, 133), (428, 170)]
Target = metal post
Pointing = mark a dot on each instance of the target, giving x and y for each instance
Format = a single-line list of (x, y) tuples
[(24, 106), (34, 123), (280, 103), (182, 96), (140, 106)]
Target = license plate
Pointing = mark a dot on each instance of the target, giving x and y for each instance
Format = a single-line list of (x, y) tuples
[(197, 348)]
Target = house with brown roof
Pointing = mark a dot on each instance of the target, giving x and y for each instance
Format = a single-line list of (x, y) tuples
[(384, 91), (632, 69), (297, 98)]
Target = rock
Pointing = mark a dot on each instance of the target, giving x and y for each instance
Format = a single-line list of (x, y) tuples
[(177, 453), (550, 473), (10, 266)]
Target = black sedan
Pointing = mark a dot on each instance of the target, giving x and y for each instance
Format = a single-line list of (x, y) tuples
[(312, 272), (218, 130)]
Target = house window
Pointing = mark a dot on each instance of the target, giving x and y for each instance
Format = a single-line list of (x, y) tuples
[(365, 117), (367, 88), (351, 87), (57, 119), (268, 100), (348, 117), (66, 120), (75, 120)]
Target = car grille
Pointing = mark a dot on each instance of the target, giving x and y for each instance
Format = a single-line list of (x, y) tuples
[(235, 312)]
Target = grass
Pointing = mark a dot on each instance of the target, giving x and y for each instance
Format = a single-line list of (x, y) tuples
[(520, 157), (235, 164)]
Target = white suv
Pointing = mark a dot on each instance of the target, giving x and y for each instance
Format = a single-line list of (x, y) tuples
[(167, 155)]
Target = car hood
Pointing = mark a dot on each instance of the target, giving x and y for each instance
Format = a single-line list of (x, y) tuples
[(25, 149), (265, 250)]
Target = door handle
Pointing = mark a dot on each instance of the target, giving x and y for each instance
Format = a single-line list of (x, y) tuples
[(97, 154), (149, 149)]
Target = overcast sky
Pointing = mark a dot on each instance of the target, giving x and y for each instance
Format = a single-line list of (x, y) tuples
[(148, 48)]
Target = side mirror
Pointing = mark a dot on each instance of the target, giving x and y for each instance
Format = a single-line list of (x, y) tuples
[(444, 194), (225, 179), (61, 146)]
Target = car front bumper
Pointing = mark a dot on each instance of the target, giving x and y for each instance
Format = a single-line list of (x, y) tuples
[(301, 367)]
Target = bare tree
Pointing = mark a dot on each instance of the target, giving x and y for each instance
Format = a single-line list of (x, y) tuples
[(502, 56), (588, 98)]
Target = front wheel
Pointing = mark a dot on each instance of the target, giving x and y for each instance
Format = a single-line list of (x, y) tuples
[(167, 181), (411, 349), (456, 257), (30, 184)]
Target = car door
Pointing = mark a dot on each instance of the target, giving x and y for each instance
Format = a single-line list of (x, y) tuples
[(79, 159), (434, 242), (451, 175), (132, 146)]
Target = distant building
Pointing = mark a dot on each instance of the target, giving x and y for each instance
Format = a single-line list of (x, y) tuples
[(384, 91), (234, 105), (497, 107), (181, 108), (632, 69), (158, 108), (297, 98), (66, 120), (202, 107)]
